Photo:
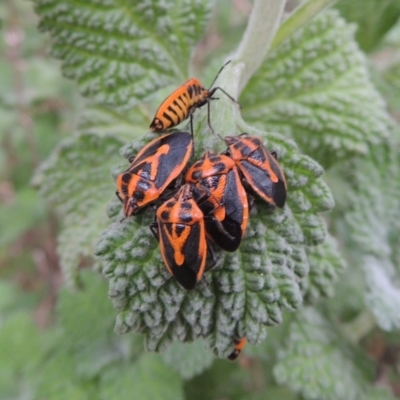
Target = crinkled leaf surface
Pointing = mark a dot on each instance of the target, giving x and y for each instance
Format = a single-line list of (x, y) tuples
[(375, 228), (326, 263), (121, 52), (246, 291), (391, 74), (105, 121), (73, 178), (315, 87), (383, 296), (313, 364)]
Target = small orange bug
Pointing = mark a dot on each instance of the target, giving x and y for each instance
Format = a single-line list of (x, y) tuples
[(239, 345), (182, 102)]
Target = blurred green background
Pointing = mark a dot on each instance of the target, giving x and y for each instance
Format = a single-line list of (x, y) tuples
[(51, 346)]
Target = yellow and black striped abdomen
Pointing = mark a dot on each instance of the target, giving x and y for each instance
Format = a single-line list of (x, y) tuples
[(177, 106)]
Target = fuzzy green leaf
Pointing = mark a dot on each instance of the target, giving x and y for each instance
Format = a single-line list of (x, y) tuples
[(120, 52), (245, 292), (383, 296), (373, 201), (326, 264), (312, 364), (58, 380), (379, 393), (147, 379), (390, 77), (315, 87), (20, 350), (74, 178), (104, 121), (188, 359), (373, 223), (19, 216), (86, 319), (83, 315)]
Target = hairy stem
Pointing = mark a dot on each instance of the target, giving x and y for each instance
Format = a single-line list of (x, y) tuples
[(263, 23)]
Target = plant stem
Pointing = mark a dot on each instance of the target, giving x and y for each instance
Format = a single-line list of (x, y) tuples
[(300, 16), (264, 21)]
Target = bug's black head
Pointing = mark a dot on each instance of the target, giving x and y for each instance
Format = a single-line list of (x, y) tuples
[(157, 125), (130, 207)]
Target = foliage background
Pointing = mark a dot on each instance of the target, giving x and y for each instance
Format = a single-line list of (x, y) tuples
[(57, 342)]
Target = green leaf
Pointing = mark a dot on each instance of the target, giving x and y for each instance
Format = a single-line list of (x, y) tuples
[(87, 315), (57, 379), (300, 17), (379, 393), (86, 319), (315, 87), (75, 179), (104, 121), (8, 296), (374, 19), (391, 73), (383, 296), (20, 349), (43, 78), (21, 214), (388, 84), (271, 393), (120, 53), (188, 359), (225, 380), (326, 263), (312, 364), (247, 290), (373, 222), (367, 215), (147, 379)]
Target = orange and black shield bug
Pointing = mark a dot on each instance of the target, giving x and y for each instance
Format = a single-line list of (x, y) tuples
[(239, 345), (181, 232), (259, 167), (181, 104), (153, 169), (226, 207)]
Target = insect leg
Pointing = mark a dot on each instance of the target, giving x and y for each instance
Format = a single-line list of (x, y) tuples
[(211, 253), (154, 226), (212, 91), (119, 197)]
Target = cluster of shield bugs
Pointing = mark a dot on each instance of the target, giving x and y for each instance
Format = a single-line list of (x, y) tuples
[(210, 206)]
